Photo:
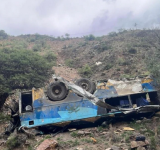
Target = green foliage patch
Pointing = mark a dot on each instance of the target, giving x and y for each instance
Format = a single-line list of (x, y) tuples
[(85, 71), (22, 69)]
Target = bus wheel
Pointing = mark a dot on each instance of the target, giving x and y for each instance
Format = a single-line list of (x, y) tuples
[(57, 91), (86, 84)]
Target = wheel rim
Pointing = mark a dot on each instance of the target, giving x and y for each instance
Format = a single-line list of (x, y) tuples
[(84, 86), (57, 90)]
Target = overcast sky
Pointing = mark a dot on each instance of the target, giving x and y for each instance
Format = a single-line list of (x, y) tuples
[(77, 17)]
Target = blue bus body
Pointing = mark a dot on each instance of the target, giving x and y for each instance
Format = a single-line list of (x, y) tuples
[(73, 107)]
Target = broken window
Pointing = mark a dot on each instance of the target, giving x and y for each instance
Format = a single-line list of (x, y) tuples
[(26, 101)]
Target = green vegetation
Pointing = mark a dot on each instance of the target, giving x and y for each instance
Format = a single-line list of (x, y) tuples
[(12, 142), (132, 51), (153, 144), (85, 71), (102, 47), (153, 66), (108, 66), (74, 134), (3, 35), (112, 34), (4, 117), (51, 58), (90, 37), (69, 62), (22, 69)]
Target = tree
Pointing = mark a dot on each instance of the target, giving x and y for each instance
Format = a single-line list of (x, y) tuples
[(90, 37), (67, 36), (22, 69), (3, 35)]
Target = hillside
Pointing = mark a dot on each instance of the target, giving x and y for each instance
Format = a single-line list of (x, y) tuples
[(123, 55), (126, 54)]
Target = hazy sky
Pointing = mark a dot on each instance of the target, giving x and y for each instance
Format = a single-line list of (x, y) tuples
[(77, 17)]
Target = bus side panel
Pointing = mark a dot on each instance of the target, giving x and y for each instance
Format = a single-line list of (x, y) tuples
[(64, 112)]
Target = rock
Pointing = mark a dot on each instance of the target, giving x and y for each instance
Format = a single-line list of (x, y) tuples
[(72, 129), (143, 130), (141, 148), (79, 148), (103, 133), (108, 149), (48, 144), (87, 133), (134, 144), (2, 142), (138, 121), (155, 118), (80, 132), (115, 148), (146, 120), (119, 130)]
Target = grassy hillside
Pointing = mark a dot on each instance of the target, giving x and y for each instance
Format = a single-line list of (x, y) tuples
[(123, 55)]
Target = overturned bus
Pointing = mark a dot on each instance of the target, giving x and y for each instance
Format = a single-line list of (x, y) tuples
[(65, 102)]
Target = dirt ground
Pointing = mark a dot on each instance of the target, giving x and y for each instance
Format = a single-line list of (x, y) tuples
[(99, 137)]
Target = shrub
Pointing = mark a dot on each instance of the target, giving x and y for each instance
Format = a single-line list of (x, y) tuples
[(12, 142), (69, 62), (51, 57), (86, 71), (108, 66), (102, 47), (112, 34), (132, 51), (3, 34), (22, 69), (90, 37), (36, 47)]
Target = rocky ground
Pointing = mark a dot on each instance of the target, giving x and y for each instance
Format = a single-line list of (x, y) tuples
[(121, 134)]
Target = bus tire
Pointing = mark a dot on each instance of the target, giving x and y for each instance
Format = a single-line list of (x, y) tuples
[(57, 91), (86, 84)]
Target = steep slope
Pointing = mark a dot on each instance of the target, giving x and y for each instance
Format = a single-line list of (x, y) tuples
[(123, 55)]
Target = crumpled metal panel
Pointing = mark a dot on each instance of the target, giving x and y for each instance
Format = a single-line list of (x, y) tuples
[(114, 88)]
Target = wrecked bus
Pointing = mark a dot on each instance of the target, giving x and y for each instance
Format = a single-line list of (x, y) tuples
[(65, 102)]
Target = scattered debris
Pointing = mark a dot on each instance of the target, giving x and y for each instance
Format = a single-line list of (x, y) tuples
[(72, 129), (128, 129), (98, 63), (93, 139)]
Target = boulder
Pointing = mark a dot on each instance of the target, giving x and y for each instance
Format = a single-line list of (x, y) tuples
[(48, 144)]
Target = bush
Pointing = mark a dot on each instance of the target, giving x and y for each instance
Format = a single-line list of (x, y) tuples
[(51, 57), (36, 48), (89, 37), (3, 34), (112, 34), (132, 51), (69, 62), (102, 47), (85, 71), (22, 69), (108, 66), (4, 118), (12, 142)]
